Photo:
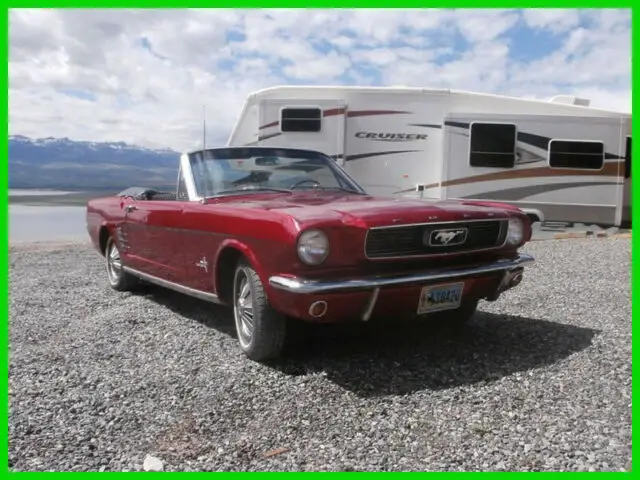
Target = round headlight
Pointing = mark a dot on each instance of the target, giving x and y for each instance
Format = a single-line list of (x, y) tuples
[(515, 233), (313, 247)]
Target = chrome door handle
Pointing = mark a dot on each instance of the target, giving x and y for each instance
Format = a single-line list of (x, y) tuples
[(130, 208)]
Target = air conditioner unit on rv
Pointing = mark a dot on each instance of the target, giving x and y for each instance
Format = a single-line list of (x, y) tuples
[(571, 100)]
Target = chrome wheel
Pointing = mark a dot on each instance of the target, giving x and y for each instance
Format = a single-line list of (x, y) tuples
[(243, 308), (260, 329), (114, 263)]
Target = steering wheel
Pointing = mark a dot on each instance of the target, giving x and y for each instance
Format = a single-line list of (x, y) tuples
[(308, 180)]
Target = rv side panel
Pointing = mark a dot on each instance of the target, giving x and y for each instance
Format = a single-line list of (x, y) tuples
[(394, 141), (386, 154), (303, 123), (570, 168), (246, 128)]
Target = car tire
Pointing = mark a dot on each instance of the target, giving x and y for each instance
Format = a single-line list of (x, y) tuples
[(118, 279), (261, 330)]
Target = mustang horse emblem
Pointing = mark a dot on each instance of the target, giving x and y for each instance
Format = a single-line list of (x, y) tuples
[(447, 237)]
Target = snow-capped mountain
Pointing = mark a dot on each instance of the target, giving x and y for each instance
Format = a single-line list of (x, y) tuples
[(64, 163), (62, 142)]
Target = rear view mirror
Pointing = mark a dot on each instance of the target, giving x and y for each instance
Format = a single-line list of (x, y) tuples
[(267, 161)]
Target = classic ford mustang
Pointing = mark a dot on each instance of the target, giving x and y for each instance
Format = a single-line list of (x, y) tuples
[(281, 234)]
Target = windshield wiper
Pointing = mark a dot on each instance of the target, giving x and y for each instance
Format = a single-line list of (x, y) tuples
[(342, 189), (252, 188)]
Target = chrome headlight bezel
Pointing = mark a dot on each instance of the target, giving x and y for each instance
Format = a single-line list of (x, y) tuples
[(313, 247), (515, 232)]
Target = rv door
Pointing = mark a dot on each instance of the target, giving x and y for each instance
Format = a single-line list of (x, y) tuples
[(625, 221), (304, 123)]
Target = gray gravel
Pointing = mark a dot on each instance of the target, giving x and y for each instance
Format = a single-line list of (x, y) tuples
[(540, 381)]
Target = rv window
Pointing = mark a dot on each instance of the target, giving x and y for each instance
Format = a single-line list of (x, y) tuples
[(576, 154), (627, 159), (492, 145), (301, 119)]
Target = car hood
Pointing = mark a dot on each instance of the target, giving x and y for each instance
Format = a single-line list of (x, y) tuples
[(371, 211)]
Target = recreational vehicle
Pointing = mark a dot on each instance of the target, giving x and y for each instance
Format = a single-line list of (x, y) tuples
[(558, 160)]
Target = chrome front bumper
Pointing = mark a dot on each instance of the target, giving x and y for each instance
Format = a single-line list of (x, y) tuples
[(306, 286)]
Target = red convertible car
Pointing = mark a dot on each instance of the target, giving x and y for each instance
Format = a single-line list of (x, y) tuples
[(281, 234)]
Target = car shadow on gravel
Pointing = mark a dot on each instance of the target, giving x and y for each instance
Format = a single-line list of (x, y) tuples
[(382, 359), (377, 360), (210, 315)]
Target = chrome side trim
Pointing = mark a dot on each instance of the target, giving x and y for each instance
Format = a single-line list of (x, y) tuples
[(192, 292), (504, 223), (305, 286)]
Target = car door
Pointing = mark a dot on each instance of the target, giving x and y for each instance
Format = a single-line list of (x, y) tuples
[(150, 229), (201, 236)]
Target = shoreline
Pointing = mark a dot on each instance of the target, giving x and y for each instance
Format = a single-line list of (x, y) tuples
[(79, 199)]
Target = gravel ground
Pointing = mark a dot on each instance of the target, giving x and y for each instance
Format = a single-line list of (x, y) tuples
[(540, 381)]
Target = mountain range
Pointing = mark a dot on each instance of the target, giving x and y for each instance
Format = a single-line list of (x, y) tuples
[(61, 163)]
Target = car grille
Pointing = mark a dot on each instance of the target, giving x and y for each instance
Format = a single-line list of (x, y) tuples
[(407, 241)]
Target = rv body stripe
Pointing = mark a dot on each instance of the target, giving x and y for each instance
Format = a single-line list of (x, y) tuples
[(341, 110), (268, 125), (368, 113), (450, 123), (519, 193), (333, 111), (360, 156), (610, 169), (271, 135), (532, 139)]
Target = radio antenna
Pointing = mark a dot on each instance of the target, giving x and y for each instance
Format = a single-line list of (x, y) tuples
[(204, 127)]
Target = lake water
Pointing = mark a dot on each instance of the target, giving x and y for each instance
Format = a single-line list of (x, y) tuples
[(29, 223), (20, 192), (41, 224)]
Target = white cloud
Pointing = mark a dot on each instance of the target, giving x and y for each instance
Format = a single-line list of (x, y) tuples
[(554, 19), (484, 25), (150, 71), (325, 68)]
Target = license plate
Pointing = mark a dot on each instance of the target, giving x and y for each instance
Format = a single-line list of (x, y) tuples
[(435, 298)]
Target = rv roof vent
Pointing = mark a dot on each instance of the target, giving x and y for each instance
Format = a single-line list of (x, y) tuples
[(571, 100)]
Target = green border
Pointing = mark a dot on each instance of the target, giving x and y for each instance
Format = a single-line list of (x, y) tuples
[(635, 267), (4, 261), (256, 4), (322, 4)]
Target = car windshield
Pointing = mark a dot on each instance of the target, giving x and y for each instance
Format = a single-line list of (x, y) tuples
[(232, 171)]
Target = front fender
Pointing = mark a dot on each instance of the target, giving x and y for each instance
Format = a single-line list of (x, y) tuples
[(247, 252)]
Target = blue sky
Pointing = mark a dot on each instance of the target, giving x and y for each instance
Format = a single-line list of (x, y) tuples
[(141, 76)]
